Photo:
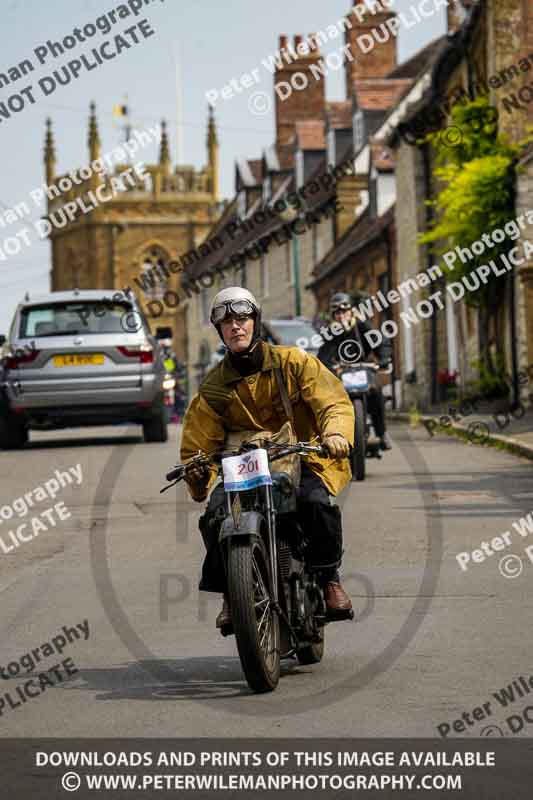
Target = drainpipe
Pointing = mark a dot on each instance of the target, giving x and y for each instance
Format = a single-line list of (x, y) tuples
[(430, 260), (389, 281), (296, 270), (513, 278)]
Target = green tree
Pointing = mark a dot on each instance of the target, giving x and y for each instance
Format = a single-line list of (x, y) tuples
[(477, 168)]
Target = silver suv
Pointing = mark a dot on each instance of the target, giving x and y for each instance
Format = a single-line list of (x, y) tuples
[(81, 358)]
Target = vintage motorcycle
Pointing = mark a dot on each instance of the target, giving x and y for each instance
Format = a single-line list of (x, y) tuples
[(357, 379), (277, 604)]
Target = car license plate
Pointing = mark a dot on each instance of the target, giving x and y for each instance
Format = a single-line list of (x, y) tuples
[(246, 471), (78, 360)]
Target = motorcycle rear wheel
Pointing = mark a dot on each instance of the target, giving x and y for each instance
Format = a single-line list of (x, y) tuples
[(255, 623), (359, 449)]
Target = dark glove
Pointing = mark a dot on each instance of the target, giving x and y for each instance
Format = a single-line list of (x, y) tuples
[(198, 472)]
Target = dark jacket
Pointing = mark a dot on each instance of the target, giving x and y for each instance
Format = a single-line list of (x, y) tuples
[(329, 351)]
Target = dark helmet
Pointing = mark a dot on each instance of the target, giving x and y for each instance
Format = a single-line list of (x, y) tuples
[(340, 300)]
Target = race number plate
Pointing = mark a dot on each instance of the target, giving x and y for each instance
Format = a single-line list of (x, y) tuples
[(246, 471), (355, 380)]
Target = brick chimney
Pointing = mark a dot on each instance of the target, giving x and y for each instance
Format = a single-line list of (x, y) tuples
[(374, 56), (299, 84)]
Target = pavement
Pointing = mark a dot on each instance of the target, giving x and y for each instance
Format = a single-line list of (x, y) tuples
[(499, 428), (431, 642)]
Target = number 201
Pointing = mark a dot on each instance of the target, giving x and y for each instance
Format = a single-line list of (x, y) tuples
[(251, 466)]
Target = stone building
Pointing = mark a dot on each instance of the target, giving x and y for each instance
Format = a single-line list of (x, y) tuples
[(484, 46), (313, 137), (364, 257), (148, 226), (279, 276)]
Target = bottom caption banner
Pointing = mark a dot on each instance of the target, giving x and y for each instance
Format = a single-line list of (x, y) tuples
[(197, 768)]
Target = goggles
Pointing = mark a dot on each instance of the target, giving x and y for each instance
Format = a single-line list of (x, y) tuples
[(237, 308), (341, 307)]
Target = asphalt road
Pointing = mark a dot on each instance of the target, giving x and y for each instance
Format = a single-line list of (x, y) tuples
[(431, 641)]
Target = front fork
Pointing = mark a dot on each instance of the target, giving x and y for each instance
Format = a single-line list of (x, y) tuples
[(272, 546)]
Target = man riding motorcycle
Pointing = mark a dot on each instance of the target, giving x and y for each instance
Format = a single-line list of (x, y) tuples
[(341, 310), (247, 391)]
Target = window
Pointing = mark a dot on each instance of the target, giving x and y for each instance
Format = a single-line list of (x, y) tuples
[(263, 276), (300, 173), (153, 277), (76, 317), (331, 147), (241, 204), (239, 276), (314, 241), (205, 306), (289, 271), (267, 189), (358, 130)]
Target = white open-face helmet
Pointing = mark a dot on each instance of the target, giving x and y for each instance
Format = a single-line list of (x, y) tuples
[(236, 301)]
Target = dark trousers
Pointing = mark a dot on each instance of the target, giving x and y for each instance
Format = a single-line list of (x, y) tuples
[(376, 409), (321, 521)]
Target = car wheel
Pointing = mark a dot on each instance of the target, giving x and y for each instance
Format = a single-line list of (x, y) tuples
[(13, 435), (155, 429)]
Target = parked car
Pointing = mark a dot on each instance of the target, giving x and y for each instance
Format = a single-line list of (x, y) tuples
[(82, 357), (297, 331)]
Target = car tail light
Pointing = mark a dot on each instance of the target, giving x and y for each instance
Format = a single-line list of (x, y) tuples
[(13, 361), (144, 353)]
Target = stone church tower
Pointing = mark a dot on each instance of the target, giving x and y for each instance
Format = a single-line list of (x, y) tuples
[(153, 223)]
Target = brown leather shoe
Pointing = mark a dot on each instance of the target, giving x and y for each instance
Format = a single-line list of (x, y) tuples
[(224, 617), (336, 597)]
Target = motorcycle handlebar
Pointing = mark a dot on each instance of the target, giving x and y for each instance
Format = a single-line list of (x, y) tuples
[(181, 470), (174, 474)]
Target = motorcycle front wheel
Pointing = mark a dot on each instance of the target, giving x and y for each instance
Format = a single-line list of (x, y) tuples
[(255, 623), (359, 449)]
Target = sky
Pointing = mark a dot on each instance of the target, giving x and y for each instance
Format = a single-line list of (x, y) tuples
[(196, 47)]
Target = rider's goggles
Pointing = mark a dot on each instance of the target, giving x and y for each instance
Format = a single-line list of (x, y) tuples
[(341, 307), (237, 308)]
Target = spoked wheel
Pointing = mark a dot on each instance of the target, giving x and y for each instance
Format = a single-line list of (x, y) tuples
[(255, 623), (358, 452)]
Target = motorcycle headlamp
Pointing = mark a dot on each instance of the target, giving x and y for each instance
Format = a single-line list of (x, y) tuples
[(236, 308)]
